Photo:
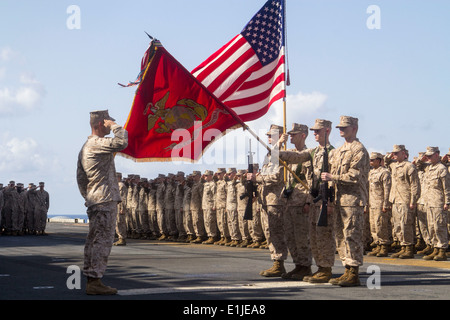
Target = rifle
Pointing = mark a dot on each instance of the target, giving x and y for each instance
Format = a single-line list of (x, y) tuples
[(325, 193), (250, 188)]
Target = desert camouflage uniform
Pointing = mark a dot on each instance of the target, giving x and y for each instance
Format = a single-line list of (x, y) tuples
[(296, 220), (97, 181), (151, 210), (160, 192), (43, 204), (209, 208), (169, 209), (244, 225), (379, 189), (322, 239), (121, 223), (231, 208), (187, 215), (178, 206), (142, 209), (22, 210), (132, 203), (221, 202), (31, 207), (405, 191), (436, 195), (350, 169), (10, 208), (196, 209), (421, 211), (271, 186)]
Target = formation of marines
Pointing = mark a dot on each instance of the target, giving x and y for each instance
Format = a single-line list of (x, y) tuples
[(23, 209), (384, 204)]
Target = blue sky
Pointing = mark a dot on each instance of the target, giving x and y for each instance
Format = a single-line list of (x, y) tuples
[(395, 79)]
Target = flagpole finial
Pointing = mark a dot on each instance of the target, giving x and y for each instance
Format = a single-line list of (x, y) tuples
[(151, 38)]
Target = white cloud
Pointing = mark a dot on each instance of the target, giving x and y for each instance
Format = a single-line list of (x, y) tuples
[(300, 108), (7, 54), (19, 155), (26, 97), (20, 91)]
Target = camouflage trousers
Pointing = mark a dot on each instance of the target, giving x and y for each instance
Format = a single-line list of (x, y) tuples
[(30, 219), (222, 223), (437, 225), (170, 222), (152, 221), (272, 221), (17, 220), (102, 222), (121, 223), (187, 222), (379, 225), (256, 228), (161, 222), (210, 220), (143, 226), (244, 226), (349, 234), (322, 239), (179, 222), (40, 218), (133, 219), (422, 224), (403, 223), (233, 224), (296, 228), (198, 223)]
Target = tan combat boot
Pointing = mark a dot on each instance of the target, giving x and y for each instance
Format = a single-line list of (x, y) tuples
[(255, 244), (428, 250), (374, 251), (323, 275), (384, 250), (409, 252), (210, 240), (276, 271), (441, 256), (396, 255), (298, 273), (94, 286), (420, 245), (244, 244), (352, 279), (120, 242), (432, 255), (336, 281)]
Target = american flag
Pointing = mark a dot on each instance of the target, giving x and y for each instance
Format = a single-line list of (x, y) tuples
[(248, 73)]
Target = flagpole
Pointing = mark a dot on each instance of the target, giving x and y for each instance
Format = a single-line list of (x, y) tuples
[(283, 163), (286, 77)]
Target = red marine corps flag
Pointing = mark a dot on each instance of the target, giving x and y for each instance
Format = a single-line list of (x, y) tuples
[(173, 116)]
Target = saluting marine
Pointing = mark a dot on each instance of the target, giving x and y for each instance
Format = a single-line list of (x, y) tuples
[(405, 192), (209, 207), (437, 202), (379, 188)]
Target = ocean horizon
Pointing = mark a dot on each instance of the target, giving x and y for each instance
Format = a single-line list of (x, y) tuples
[(69, 216)]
